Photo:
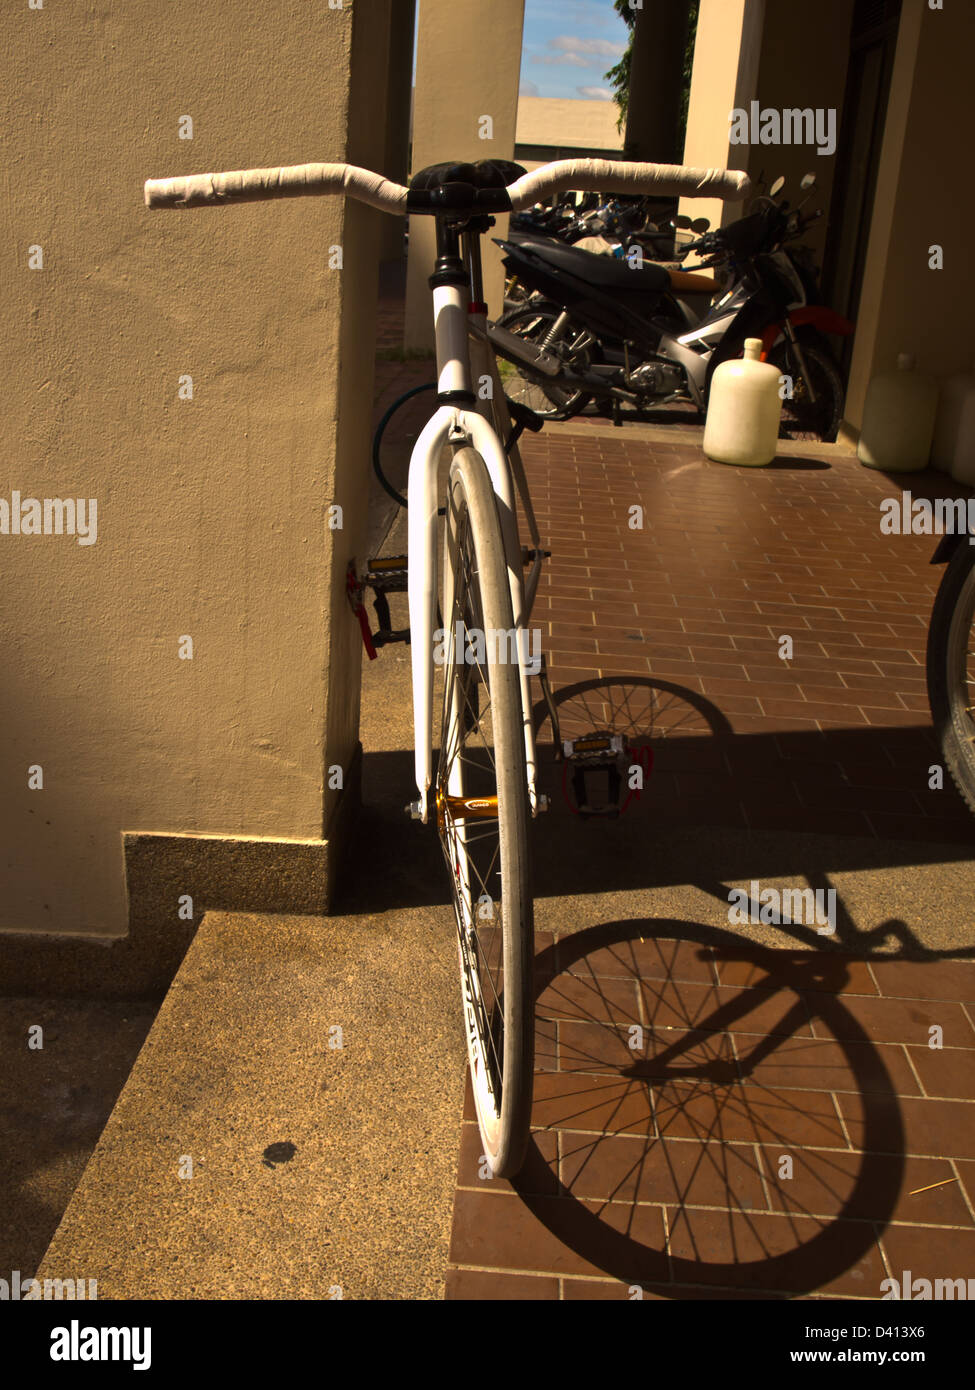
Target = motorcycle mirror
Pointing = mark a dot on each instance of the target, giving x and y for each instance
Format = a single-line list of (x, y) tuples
[(701, 225), (777, 186), (683, 222), (807, 181)]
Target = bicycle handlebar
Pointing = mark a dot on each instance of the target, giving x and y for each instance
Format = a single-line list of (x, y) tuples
[(621, 176), (291, 181), (314, 180)]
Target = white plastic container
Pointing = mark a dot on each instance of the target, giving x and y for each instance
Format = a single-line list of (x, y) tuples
[(744, 410), (953, 450), (898, 419)]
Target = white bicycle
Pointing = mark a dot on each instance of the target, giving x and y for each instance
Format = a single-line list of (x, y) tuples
[(484, 791)]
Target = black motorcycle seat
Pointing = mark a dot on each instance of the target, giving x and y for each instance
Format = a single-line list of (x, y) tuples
[(605, 272)]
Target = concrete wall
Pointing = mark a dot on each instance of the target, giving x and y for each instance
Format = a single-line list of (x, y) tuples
[(924, 197), (550, 128), (783, 54), (564, 121), (726, 58), (802, 63), (212, 512), (399, 117), (468, 66)]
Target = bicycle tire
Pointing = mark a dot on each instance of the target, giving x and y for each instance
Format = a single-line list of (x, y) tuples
[(381, 428), (947, 669), (482, 747)]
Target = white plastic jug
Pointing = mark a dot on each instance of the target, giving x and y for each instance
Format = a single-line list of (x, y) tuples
[(953, 450), (744, 410), (898, 419)]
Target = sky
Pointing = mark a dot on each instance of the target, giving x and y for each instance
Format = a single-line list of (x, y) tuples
[(568, 46)]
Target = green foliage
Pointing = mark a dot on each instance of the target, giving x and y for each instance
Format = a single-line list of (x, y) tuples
[(619, 73)]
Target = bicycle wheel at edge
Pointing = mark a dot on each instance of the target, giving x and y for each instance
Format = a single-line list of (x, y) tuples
[(951, 671), (483, 817)]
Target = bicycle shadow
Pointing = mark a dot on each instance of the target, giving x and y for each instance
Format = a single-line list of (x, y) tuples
[(717, 1119), (675, 1120), (713, 795), (766, 806)]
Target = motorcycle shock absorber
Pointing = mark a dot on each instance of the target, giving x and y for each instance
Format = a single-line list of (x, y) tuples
[(555, 332), (793, 338)]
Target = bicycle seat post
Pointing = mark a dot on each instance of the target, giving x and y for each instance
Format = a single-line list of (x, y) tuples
[(449, 282), (473, 232)]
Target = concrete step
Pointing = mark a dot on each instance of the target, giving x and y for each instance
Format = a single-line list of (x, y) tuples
[(315, 1167)]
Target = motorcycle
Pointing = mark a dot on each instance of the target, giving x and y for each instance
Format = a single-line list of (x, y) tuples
[(606, 227), (624, 331)]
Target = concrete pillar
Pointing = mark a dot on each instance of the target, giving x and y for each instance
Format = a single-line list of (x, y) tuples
[(206, 377), (656, 81), (805, 49), (466, 101), (366, 145), (726, 58), (399, 104), (924, 200)]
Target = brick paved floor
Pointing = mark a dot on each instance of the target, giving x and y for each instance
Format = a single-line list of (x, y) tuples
[(718, 1121), (714, 1119), (766, 1129), (730, 562)]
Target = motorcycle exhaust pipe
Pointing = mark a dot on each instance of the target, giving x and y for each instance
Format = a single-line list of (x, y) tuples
[(516, 349)]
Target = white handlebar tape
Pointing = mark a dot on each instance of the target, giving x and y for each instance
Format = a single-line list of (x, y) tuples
[(291, 181), (312, 180), (620, 176)]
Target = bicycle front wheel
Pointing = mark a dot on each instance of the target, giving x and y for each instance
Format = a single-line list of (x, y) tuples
[(483, 814)]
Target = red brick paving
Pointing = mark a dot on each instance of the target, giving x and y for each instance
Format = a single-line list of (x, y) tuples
[(728, 562), (754, 1157)]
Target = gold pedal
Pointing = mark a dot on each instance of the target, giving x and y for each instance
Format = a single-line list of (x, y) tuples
[(592, 744), (389, 572)]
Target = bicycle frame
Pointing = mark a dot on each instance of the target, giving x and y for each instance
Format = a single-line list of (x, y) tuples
[(461, 351), (460, 207)]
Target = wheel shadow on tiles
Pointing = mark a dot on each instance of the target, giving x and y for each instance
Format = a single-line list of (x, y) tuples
[(864, 787), (766, 804), (699, 1145)]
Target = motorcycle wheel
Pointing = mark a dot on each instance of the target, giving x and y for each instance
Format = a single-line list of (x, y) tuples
[(801, 417), (548, 400), (951, 669)]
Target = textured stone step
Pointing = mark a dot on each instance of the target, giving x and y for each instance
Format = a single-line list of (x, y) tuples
[(316, 1168)]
